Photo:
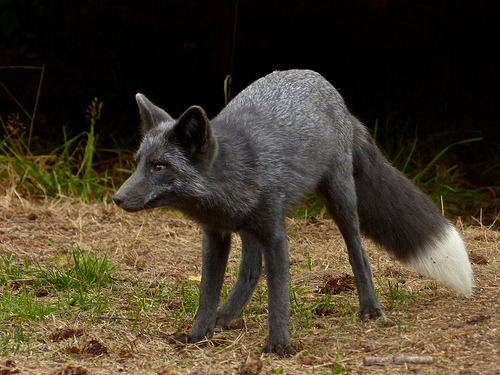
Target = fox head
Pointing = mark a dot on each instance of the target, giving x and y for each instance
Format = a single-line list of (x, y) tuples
[(172, 160)]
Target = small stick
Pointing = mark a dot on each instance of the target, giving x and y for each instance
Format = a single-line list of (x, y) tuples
[(114, 318), (399, 360), (32, 118), (414, 359)]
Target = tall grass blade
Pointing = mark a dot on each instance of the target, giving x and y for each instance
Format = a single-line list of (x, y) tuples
[(413, 147), (33, 116), (440, 154)]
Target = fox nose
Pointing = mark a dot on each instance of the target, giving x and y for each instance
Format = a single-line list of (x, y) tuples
[(118, 199)]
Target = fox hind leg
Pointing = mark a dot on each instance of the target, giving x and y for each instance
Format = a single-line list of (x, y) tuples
[(273, 243), (338, 191)]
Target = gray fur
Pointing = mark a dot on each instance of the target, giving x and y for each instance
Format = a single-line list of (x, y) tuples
[(286, 135)]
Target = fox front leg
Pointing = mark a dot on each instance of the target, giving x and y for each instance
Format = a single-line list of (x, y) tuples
[(216, 247), (248, 277)]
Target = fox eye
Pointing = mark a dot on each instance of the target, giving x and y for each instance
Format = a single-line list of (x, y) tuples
[(158, 167)]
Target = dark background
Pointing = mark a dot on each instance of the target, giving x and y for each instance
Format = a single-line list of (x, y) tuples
[(425, 66)]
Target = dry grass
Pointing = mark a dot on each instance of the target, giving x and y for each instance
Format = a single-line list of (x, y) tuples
[(463, 335)]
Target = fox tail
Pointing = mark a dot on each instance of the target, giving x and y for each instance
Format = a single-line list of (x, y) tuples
[(397, 215)]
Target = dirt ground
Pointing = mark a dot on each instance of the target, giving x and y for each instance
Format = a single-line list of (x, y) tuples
[(460, 335)]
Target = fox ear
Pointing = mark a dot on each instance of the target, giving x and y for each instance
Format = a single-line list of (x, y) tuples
[(151, 115), (194, 132)]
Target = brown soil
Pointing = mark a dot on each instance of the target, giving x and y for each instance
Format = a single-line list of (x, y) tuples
[(461, 335)]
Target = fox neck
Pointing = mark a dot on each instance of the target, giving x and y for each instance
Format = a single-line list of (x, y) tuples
[(229, 193)]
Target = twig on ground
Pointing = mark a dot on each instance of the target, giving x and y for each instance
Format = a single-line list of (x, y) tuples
[(412, 359)]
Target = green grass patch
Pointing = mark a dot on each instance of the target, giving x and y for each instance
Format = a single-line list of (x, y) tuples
[(57, 174), (78, 277), (395, 294), (23, 304), (78, 270), (339, 306), (301, 310), (68, 170), (32, 292)]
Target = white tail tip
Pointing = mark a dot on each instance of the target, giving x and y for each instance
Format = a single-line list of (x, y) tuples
[(446, 260)]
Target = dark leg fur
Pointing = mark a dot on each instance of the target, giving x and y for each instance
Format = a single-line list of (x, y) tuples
[(339, 194), (273, 242), (216, 247), (248, 278)]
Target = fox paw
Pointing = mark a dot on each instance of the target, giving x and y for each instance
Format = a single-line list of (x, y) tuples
[(223, 320), (184, 338), (280, 349), (371, 313)]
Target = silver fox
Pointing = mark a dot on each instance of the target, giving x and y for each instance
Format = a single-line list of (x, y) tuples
[(286, 135)]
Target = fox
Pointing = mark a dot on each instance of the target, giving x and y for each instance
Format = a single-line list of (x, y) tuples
[(286, 135)]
